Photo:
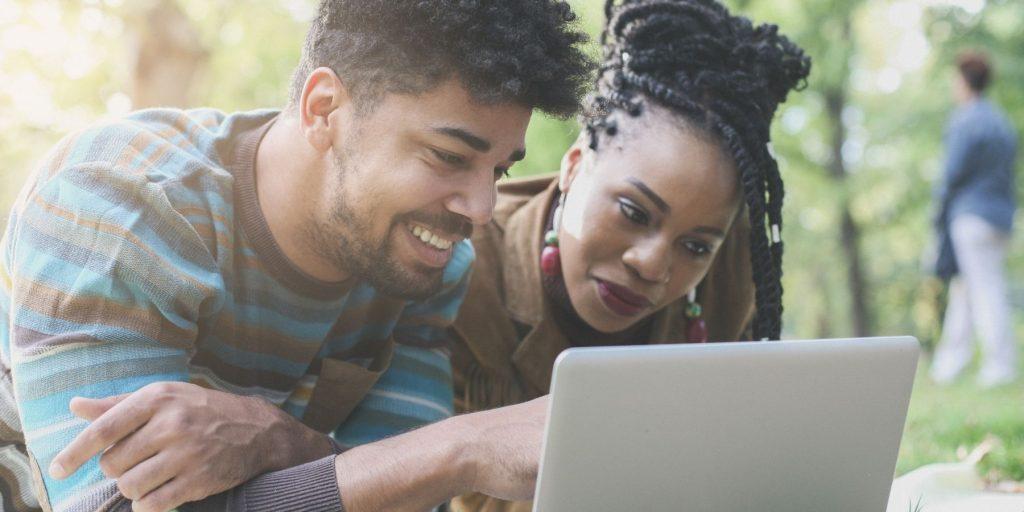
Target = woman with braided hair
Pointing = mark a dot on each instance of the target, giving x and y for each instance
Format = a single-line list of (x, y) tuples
[(664, 224)]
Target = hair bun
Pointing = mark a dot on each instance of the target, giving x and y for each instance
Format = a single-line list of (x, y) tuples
[(698, 48)]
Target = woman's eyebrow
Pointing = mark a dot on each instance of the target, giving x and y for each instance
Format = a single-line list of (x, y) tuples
[(655, 198), (707, 230)]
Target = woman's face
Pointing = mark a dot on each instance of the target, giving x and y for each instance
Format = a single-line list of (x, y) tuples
[(644, 216)]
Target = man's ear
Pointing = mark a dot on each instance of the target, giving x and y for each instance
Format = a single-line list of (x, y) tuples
[(324, 99), (571, 163)]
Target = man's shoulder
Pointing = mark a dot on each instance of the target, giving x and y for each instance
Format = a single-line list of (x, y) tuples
[(177, 154), (160, 141), (154, 174)]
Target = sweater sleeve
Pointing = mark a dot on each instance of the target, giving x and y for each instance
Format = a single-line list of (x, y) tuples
[(103, 286), (311, 487)]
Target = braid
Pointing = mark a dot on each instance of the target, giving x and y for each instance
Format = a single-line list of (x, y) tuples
[(726, 76)]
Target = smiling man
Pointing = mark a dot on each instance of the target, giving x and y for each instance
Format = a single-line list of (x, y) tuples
[(260, 291)]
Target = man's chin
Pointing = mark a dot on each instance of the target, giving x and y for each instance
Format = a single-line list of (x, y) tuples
[(410, 283)]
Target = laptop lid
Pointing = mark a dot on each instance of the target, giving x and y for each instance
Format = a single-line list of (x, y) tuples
[(768, 426)]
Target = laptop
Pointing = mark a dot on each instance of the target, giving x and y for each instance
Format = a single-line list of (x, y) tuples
[(783, 426)]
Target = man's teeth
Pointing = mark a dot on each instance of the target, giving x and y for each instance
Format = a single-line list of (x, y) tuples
[(429, 238)]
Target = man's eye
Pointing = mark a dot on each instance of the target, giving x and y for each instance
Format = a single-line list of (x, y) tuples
[(449, 158), (633, 213)]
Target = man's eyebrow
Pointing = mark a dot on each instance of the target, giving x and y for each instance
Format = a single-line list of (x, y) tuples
[(476, 142), (655, 198)]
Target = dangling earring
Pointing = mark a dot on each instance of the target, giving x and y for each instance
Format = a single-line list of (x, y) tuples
[(551, 256), (696, 329)]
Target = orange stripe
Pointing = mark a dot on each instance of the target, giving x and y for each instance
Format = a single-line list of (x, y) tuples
[(119, 231), (85, 310)]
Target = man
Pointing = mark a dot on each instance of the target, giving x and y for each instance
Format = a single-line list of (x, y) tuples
[(301, 265), (976, 204)]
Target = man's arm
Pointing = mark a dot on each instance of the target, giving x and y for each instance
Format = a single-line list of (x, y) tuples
[(104, 285), (414, 391), (95, 308), (495, 452), (961, 142), (171, 443)]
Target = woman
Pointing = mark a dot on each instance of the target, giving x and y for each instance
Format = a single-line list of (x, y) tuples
[(663, 225)]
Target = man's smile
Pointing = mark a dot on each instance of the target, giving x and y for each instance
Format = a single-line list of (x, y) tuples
[(433, 247)]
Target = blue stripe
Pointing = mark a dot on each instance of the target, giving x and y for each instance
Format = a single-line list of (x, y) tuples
[(36, 414), (254, 360)]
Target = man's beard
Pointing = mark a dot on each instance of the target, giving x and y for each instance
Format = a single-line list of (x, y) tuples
[(346, 241)]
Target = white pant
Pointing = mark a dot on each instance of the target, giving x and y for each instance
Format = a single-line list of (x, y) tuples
[(978, 301)]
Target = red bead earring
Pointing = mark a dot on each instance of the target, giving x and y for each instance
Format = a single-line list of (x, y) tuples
[(551, 256), (696, 329)]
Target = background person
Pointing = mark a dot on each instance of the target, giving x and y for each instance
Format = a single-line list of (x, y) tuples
[(976, 205)]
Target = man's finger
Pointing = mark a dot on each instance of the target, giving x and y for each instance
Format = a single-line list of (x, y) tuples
[(167, 497), (130, 451), (149, 475), (92, 408), (121, 420)]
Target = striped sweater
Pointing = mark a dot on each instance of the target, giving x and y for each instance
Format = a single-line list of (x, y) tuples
[(138, 253)]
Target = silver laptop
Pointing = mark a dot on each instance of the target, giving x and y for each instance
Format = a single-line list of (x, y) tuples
[(788, 426)]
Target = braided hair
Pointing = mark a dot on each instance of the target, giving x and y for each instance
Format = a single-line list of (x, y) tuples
[(725, 76)]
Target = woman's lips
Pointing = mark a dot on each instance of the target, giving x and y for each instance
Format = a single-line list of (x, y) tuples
[(621, 300)]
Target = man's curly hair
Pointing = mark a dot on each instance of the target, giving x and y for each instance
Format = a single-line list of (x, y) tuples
[(725, 76), (525, 52)]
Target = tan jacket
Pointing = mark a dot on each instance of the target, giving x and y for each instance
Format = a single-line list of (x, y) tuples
[(505, 339)]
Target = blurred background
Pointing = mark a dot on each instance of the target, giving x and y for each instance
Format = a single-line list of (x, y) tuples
[(860, 149)]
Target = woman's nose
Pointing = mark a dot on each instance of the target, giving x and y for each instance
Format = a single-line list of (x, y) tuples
[(650, 260)]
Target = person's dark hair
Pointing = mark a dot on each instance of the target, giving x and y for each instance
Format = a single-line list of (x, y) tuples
[(504, 51), (723, 75), (976, 70)]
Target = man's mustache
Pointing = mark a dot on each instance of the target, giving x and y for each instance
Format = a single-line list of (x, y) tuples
[(448, 222)]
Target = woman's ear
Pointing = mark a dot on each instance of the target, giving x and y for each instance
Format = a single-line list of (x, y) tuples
[(571, 163)]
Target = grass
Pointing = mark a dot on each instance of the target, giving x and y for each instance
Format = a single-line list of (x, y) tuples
[(946, 419), (915, 507)]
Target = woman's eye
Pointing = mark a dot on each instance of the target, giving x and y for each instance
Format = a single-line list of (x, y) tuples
[(697, 248), (449, 158), (633, 213)]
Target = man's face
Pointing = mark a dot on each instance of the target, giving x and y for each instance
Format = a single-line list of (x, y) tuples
[(408, 180)]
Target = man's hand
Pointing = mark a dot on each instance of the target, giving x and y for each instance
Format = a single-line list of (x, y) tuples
[(508, 448), (170, 443), (494, 452)]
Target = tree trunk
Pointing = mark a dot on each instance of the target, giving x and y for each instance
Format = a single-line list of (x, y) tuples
[(166, 57), (835, 100)]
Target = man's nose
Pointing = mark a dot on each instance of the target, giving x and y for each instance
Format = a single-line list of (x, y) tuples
[(475, 200)]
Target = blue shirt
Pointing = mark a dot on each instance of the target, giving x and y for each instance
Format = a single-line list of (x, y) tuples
[(978, 178)]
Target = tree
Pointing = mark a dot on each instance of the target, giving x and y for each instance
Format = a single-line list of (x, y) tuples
[(167, 54)]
